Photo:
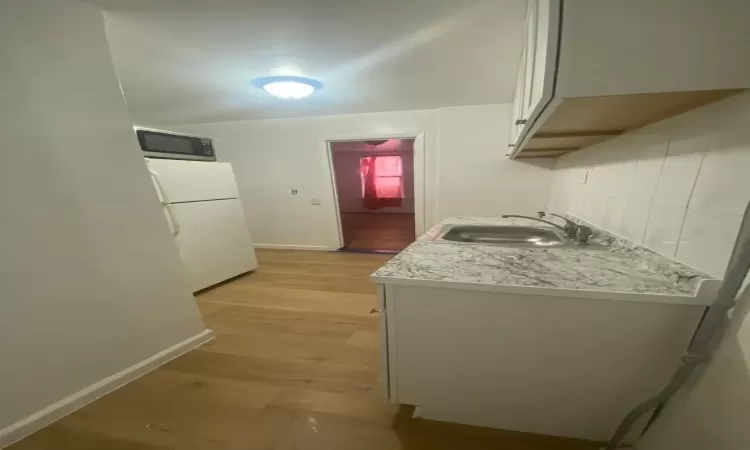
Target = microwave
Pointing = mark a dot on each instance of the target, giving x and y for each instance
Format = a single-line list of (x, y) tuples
[(170, 145)]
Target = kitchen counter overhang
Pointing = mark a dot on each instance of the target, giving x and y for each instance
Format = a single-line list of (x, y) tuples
[(621, 271)]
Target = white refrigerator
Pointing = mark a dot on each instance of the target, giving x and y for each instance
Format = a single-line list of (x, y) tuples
[(203, 209)]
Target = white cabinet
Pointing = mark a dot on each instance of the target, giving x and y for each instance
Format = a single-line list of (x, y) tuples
[(519, 100), (534, 82), (384, 363), (542, 25), (595, 69), (561, 366), (529, 60)]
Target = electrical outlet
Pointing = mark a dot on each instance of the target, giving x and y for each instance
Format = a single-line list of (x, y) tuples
[(294, 191)]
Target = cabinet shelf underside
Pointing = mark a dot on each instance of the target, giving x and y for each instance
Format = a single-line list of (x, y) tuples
[(582, 122)]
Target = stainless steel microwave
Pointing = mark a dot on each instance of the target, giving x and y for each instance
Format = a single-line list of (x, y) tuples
[(170, 145)]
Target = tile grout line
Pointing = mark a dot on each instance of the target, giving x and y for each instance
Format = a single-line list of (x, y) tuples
[(653, 194), (690, 197)]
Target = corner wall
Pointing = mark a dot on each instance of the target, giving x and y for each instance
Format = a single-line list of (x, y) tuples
[(465, 170), (474, 176), (680, 187), (712, 413), (92, 291)]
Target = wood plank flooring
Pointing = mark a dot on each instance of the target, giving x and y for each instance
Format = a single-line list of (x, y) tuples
[(378, 230), (295, 366)]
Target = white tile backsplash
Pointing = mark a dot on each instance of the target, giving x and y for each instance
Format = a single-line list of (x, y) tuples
[(679, 186), (635, 216), (664, 229), (723, 183), (680, 170), (613, 216), (648, 167), (707, 240)]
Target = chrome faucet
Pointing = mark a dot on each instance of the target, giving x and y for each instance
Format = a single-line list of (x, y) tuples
[(580, 233), (570, 227), (505, 216)]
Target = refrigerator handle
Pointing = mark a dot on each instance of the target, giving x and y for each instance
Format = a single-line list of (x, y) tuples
[(174, 224), (170, 219), (159, 188)]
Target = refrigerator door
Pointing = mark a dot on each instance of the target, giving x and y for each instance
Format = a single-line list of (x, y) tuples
[(191, 181), (213, 241)]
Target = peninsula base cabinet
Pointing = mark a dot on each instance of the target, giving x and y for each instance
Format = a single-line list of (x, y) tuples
[(547, 364)]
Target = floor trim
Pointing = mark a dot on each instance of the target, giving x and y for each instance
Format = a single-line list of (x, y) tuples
[(293, 247), (71, 403), (368, 250)]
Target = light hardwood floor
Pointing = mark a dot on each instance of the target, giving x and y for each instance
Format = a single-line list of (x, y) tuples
[(295, 365)]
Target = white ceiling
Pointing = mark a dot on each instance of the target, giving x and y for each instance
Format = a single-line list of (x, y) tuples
[(191, 61)]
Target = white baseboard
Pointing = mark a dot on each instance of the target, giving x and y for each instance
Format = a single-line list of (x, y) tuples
[(378, 211), (71, 403), (293, 247)]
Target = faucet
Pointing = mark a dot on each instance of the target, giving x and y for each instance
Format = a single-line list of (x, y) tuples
[(505, 216), (580, 233), (570, 227)]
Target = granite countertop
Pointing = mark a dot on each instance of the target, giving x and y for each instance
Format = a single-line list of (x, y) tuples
[(619, 267)]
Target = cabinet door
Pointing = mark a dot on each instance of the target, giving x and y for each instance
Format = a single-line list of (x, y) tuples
[(542, 23), (385, 374), (531, 59), (535, 79), (518, 103)]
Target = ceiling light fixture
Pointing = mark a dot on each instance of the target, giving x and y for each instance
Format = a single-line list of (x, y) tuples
[(288, 87)]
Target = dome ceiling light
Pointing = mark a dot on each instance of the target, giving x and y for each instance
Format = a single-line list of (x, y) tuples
[(288, 87)]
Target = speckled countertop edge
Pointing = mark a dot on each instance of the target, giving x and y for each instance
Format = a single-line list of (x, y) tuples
[(625, 268)]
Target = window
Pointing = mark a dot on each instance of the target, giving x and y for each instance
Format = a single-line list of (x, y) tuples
[(382, 177)]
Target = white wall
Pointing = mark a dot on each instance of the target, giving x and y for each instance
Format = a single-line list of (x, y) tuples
[(466, 172), (474, 177), (272, 157), (91, 282), (679, 186), (712, 413), (346, 164)]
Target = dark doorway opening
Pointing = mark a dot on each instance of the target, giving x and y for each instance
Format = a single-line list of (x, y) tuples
[(375, 189)]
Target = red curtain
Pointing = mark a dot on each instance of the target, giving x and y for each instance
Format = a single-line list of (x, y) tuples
[(382, 181)]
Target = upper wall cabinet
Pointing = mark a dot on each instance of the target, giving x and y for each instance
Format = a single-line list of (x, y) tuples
[(591, 70)]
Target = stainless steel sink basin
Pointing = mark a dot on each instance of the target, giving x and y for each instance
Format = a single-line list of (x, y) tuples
[(504, 235)]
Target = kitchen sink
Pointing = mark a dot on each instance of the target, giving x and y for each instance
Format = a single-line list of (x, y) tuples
[(509, 235)]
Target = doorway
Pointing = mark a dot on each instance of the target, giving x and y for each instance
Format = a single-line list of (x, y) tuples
[(374, 183)]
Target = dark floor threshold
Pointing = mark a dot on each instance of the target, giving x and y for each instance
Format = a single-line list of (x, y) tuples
[(367, 250), (222, 283)]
